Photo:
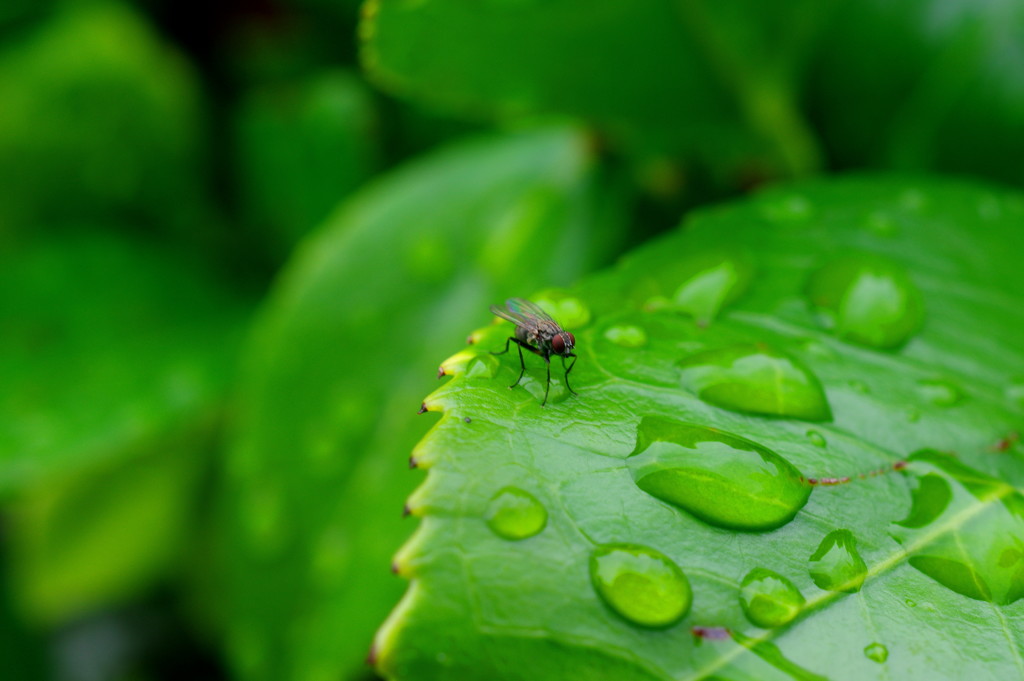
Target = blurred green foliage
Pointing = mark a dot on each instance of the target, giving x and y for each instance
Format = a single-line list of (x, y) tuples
[(236, 238)]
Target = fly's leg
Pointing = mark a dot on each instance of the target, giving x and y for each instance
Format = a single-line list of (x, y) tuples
[(522, 366), (506, 347), (522, 363), (574, 358), (548, 388)]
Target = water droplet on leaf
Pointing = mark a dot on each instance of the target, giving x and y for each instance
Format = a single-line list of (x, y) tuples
[(567, 310), (769, 599), (877, 652), (516, 514), (816, 438), (711, 281), (981, 556), (628, 336), (640, 584), (939, 393), (836, 565), (756, 379), (867, 300), (720, 478)]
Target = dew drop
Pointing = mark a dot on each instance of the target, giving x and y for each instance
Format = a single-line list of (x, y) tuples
[(860, 387), (816, 438), (567, 310), (769, 599), (718, 477), (939, 393), (516, 514), (628, 336), (981, 556), (867, 300), (483, 366), (640, 584), (876, 652), (836, 565), (756, 379), (710, 281)]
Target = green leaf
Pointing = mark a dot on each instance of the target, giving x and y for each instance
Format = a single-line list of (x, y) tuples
[(831, 543), (317, 471), (936, 84), (302, 148), (101, 119), (116, 359), (715, 82)]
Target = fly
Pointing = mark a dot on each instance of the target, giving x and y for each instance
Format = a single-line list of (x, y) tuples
[(540, 334)]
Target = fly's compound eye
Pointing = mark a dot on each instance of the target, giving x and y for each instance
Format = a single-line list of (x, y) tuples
[(563, 343)]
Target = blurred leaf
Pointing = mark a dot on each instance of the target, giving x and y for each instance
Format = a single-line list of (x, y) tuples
[(100, 119), (99, 537), (302, 147), (107, 345), (552, 538), (712, 81), (23, 653), (936, 84), (116, 359), (346, 344)]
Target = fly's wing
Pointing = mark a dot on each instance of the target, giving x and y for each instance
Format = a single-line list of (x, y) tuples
[(524, 307), (520, 312)]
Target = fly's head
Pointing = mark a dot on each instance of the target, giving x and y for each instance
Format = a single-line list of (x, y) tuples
[(563, 343)]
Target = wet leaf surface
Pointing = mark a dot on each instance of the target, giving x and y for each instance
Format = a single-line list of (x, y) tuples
[(911, 569)]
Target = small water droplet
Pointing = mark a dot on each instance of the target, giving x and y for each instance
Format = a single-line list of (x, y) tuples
[(483, 366), (860, 387), (720, 478), (816, 438), (876, 652), (640, 584), (981, 557), (911, 603), (940, 393), (867, 300), (627, 335), (756, 379), (516, 514), (710, 281), (836, 565), (567, 310), (769, 599)]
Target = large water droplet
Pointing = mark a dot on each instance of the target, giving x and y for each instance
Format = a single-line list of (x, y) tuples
[(756, 379), (867, 300), (876, 652), (836, 565), (981, 554), (711, 281), (516, 514), (769, 599), (567, 310), (626, 335), (640, 584), (940, 393), (720, 478)]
